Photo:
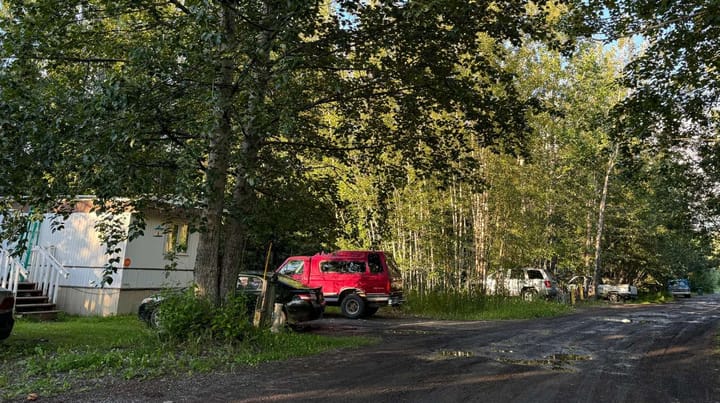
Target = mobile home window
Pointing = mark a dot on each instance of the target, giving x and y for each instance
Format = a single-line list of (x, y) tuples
[(176, 239)]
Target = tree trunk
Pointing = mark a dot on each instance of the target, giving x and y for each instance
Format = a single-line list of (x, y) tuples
[(207, 271), (480, 221), (243, 196), (597, 275)]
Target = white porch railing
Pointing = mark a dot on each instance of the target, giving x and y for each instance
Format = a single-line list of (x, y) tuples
[(44, 270), (10, 271)]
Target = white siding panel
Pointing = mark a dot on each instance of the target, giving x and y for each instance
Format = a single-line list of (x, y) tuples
[(78, 247), (143, 279), (148, 261)]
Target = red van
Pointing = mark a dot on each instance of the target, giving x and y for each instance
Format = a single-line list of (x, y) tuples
[(359, 282)]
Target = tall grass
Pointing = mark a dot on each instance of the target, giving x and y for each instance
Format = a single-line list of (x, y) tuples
[(466, 306), (76, 353), (657, 297)]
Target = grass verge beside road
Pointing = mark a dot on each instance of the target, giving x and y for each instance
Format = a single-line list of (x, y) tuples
[(461, 306), (74, 353)]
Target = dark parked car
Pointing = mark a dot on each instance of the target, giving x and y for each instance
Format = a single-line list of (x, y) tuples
[(679, 287), (7, 303), (299, 302)]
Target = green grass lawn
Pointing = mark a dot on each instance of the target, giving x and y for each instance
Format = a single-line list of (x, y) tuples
[(50, 357)]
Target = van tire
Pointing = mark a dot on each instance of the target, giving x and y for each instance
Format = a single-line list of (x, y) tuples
[(370, 311), (352, 306)]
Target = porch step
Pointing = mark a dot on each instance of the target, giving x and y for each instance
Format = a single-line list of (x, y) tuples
[(26, 308), (31, 303), (27, 289), (35, 299), (39, 315)]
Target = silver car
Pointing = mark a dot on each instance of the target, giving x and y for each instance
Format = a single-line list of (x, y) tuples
[(679, 287)]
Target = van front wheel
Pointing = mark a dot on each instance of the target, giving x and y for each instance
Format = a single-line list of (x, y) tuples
[(352, 306)]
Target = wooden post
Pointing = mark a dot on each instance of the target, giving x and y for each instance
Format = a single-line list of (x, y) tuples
[(267, 294), (258, 317), (264, 310)]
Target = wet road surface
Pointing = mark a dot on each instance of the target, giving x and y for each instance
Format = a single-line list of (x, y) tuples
[(609, 353)]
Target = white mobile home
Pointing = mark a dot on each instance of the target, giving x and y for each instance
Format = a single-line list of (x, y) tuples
[(143, 266)]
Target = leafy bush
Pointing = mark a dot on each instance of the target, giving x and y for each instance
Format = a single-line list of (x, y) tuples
[(232, 320), (707, 280), (184, 315), (187, 316)]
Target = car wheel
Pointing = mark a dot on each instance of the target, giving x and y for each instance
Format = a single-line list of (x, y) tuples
[(370, 311), (529, 295), (6, 329), (614, 298), (352, 306), (155, 321)]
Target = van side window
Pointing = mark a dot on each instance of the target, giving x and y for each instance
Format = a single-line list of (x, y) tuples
[(329, 267), (517, 274), (292, 267), (356, 267), (335, 266), (375, 263)]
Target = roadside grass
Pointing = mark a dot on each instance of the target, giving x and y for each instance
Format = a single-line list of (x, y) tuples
[(76, 353), (659, 297), (463, 306)]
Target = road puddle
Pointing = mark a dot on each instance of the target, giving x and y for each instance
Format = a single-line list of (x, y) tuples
[(618, 320), (450, 354), (556, 362), (456, 353), (407, 332)]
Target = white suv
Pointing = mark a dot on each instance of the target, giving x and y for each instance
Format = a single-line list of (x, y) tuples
[(527, 282)]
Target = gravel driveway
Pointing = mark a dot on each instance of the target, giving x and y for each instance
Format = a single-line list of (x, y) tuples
[(620, 353)]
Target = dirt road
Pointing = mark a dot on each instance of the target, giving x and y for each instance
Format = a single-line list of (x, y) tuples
[(623, 353)]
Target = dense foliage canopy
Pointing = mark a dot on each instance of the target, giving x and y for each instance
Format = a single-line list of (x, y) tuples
[(459, 134)]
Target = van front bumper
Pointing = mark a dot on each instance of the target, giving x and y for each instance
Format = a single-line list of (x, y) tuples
[(394, 299)]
